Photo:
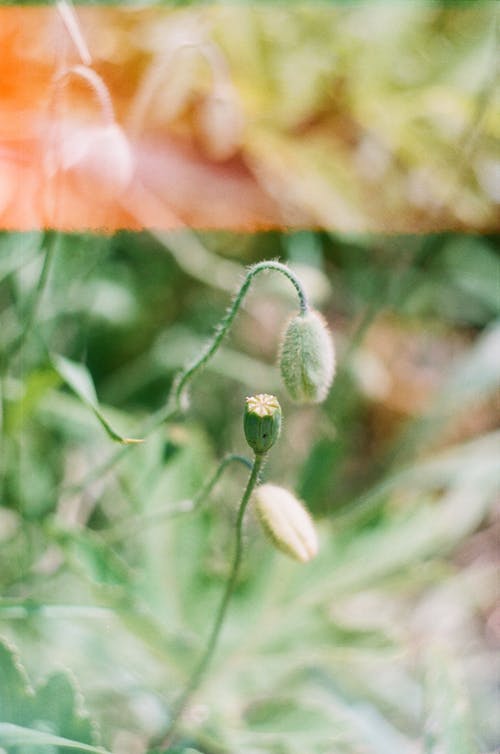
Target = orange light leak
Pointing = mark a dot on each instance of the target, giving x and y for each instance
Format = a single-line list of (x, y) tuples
[(150, 118)]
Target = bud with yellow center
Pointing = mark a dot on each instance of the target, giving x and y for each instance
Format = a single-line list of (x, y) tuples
[(262, 422), (307, 359), (286, 521)]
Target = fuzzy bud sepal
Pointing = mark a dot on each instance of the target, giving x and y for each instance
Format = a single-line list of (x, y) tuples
[(307, 359), (286, 522)]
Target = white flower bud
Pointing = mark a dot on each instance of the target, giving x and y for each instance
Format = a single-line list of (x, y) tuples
[(98, 159), (286, 521), (307, 359), (220, 126)]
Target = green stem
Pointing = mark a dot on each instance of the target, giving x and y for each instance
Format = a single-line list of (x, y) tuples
[(200, 669), (135, 523), (174, 404), (49, 244), (185, 376), (208, 487)]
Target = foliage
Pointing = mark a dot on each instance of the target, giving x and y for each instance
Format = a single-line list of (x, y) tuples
[(109, 571), (133, 558), (47, 716)]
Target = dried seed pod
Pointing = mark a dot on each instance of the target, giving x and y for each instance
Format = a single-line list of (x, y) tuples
[(286, 521), (307, 359), (262, 422)]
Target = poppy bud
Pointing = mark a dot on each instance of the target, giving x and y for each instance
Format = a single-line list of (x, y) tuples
[(286, 522), (307, 359), (98, 159), (220, 126), (262, 422)]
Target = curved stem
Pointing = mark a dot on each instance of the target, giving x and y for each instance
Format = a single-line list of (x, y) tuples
[(184, 377), (201, 667), (159, 73), (174, 403), (95, 83), (208, 487), (131, 525)]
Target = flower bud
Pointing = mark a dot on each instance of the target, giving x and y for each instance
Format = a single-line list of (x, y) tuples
[(98, 159), (220, 126), (286, 521), (262, 422), (307, 359)]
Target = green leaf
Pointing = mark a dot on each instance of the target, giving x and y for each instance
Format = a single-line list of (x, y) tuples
[(79, 379), (179, 750), (322, 722), (51, 716), (17, 735), (474, 268), (55, 702), (448, 723), (97, 559), (16, 696), (37, 385), (283, 715), (17, 250)]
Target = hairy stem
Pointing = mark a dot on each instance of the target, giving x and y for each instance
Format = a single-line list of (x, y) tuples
[(188, 373), (174, 403), (201, 667)]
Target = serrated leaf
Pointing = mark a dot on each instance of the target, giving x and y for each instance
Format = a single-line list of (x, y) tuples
[(16, 696), (79, 379), (56, 702), (50, 717)]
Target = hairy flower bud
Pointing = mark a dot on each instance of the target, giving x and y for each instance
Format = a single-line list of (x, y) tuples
[(286, 521), (262, 422), (307, 359)]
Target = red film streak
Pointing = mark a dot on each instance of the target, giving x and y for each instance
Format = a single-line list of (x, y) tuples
[(192, 156)]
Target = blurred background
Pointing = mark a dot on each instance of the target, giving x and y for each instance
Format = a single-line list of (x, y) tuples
[(351, 121), (353, 116)]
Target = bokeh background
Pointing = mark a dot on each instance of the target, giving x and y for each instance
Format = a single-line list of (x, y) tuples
[(358, 117), (361, 152)]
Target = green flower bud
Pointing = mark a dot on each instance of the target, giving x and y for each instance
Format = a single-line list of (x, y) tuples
[(286, 521), (262, 422), (307, 359)]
